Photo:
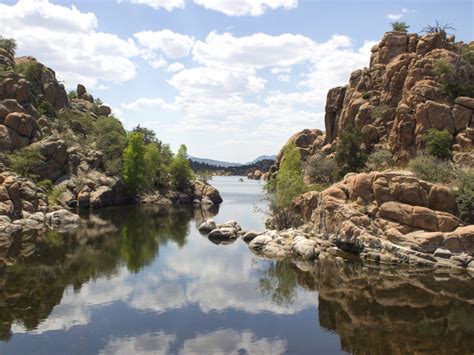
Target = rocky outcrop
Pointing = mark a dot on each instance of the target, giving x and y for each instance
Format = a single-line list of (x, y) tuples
[(255, 175), (225, 233)]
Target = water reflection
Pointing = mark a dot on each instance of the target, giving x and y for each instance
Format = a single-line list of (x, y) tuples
[(139, 279)]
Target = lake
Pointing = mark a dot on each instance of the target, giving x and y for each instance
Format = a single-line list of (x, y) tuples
[(142, 279)]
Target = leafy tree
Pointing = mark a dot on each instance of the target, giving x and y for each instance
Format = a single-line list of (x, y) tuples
[(25, 161), (400, 26), (180, 170), (31, 70), (111, 139), (148, 134), (438, 143), (289, 180), (349, 155), (134, 162), (47, 109), (153, 163)]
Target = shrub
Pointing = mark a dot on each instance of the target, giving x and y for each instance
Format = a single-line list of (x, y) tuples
[(321, 170), (438, 27), (30, 70), (432, 169), (72, 94), (400, 26), (441, 66), (366, 95), (134, 162), (9, 44), (180, 170), (78, 123), (377, 111), (25, 161), (45, 108), (56, 192), (46, 185), (380, 160), (349, 155), (465, 195), (438, 143), (457, 78)]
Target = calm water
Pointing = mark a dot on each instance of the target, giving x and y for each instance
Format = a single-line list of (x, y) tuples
[(143, 280)]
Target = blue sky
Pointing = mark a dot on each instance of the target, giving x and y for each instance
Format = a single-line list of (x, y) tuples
[(233, 79)]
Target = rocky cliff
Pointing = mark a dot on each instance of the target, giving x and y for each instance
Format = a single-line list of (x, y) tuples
[(38, 118), (399, 97)]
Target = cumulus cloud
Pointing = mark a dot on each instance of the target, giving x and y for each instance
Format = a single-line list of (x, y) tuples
[(173, 45), (215, 82), (146, 103), (246, 7), (259, 50), (175, 67), (155, 343), (160, 4), (66, 39)]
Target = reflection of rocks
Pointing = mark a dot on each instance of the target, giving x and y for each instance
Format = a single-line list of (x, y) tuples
[(384, 310)]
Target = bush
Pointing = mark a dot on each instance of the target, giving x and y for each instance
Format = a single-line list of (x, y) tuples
[(56, 192), (457, 79), (46, 185), (321, 170), (72, 94), (30, 70), (441, 67), (400, 26), (465, 195), (380, 160), (349, 155), (78, 123), (377, 111), (438, 143), (8, 44), (432, 169), (134, 162), (180, 170), (25, 161), (45, 108)]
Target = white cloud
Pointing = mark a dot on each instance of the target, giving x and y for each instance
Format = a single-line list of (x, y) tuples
[(256, 51), (229, 341), (146, 103), (149, 343), (175, 67), (173, 45), (285, 78), (215, 82), (246, 7), (276, 71), (394, 17), (161, 4), (66, 39), (158, 63)]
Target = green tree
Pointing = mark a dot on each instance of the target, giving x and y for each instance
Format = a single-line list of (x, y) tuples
[(111, 139), (289, 180), (180, 170), (432, 169), (25, 161), (9, 44), (438, 143), (349, 155), (134, 162), (465, 195), (400, 26), (153, 163), (148, 135)]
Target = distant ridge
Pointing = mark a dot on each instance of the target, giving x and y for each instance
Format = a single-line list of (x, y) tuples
[(226, 164)]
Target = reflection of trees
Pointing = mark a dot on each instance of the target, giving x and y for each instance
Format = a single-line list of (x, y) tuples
[(279, 282), (131, 236)]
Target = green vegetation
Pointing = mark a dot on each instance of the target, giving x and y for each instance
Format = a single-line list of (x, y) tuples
[(457, 78), (321, 170), (377, 111), (30, 70), (46, 109), (465, 195), (180, 170), (438, 143), (46, 185), (72, 94), (134, 162), (400, 26), (379, 160), (110, 138), (25, 161), (349, 155), (9, 44), (56, 192), (432, 169)]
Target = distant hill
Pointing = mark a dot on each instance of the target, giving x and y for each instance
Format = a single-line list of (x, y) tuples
[(226, 164), (260, 158)]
